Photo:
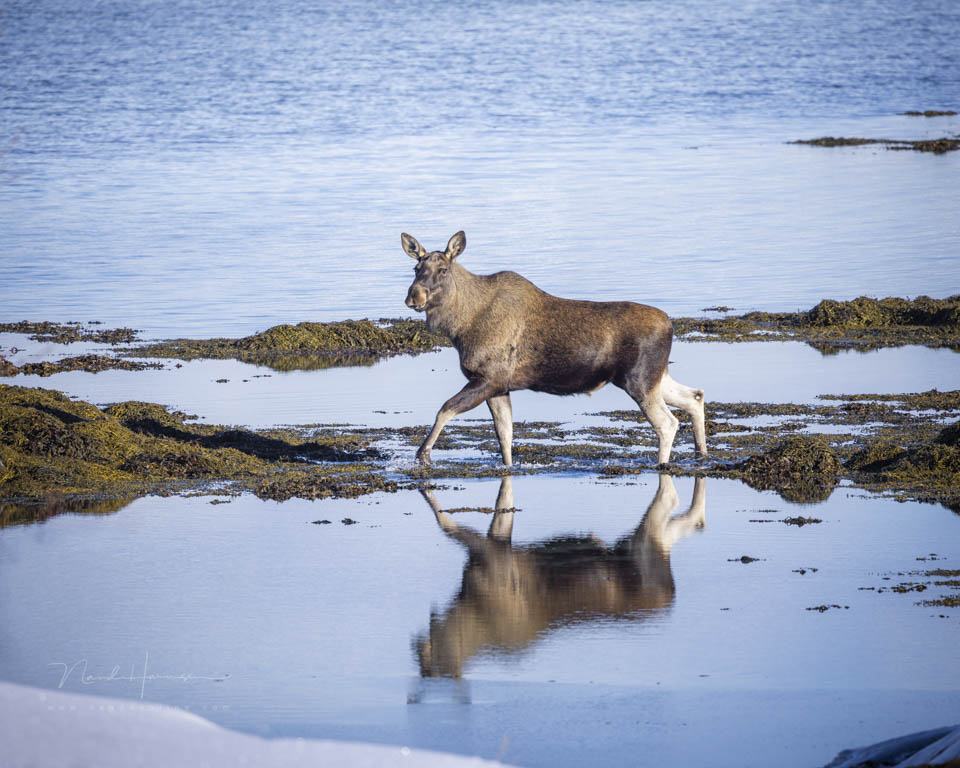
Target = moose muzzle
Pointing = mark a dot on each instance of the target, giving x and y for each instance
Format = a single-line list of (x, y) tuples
[(417, 297)]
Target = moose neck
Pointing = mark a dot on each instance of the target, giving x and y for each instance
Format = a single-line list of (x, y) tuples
[(460, 305)]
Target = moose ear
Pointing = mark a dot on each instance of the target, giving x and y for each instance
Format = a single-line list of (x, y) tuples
[(456, 245), (413, 249)]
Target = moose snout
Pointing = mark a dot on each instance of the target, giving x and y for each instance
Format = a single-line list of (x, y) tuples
[(417, 297)]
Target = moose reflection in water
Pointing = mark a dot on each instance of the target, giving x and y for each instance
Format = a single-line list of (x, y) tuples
[(511, 596)]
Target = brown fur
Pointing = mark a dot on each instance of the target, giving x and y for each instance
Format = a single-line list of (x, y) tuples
[(512, 336)]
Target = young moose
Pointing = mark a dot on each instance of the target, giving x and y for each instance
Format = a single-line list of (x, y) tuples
[(513, 336)]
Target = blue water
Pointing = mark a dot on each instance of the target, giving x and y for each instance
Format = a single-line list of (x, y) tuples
[(204, 168)]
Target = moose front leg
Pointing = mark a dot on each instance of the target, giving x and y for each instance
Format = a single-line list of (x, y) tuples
[(474, 393), (503, 425)]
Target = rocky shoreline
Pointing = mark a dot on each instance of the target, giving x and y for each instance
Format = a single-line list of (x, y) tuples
[(56, 451)]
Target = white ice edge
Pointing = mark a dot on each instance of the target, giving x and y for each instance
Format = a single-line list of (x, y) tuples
[(54, 729)]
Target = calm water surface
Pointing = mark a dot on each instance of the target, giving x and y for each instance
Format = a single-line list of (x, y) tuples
[(633, 629), (215, 168)]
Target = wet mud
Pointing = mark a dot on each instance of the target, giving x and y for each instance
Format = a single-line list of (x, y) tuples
[(863, 323)]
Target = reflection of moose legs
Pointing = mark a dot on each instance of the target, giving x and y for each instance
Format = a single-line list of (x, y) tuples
[(511, 596)]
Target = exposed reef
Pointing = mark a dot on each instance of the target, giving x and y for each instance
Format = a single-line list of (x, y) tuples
[(54, 450), (89, 363), (802, 468), (307, 346), (53, 447), (862, 323), (936, 146), (929, 113), (69, 333)]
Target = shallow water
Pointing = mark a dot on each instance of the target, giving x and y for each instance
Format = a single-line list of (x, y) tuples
[(288, 628)]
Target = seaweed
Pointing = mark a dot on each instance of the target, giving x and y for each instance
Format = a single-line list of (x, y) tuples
[(68, 333), (88, 363), (929, 113), (801, 468), (51, 445), (903, 445), (306, 346), (936, 146), (862, 323)]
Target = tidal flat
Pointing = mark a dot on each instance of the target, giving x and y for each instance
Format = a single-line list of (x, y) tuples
[(254, 542)]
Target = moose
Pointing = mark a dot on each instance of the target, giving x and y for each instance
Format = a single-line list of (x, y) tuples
[(512, 596), (512, 336)]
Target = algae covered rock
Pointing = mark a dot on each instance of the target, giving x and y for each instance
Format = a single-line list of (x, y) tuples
[(864, 312), (875, 456), (306, 485), (52, 445), (802, 468), (307, 346), (950, 435)]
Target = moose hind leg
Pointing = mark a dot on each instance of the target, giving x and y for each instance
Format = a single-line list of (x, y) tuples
[(690, 400), (664, 423), (502, 413), (474, 393)]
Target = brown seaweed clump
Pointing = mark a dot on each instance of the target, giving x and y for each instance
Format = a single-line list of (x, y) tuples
[(307, 346), (7, 368), (862, 323), (936, 146), (68, 333), (89, 363), (52, 446), (802, 468), (304, 485), (928, 471), (929, 113)]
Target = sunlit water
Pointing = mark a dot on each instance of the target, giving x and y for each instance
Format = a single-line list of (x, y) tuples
[(213, 169)]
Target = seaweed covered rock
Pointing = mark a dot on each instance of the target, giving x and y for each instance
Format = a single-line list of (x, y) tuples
[(929, 471), (307, 346), (7, 368), (68, 333), (833, 325), (950, 435), (50, 444), (314, 485), (801, 468), (875, 456), (864, 312), (88, 363)]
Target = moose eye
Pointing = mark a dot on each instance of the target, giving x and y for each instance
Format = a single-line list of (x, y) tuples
[(443, 270)]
